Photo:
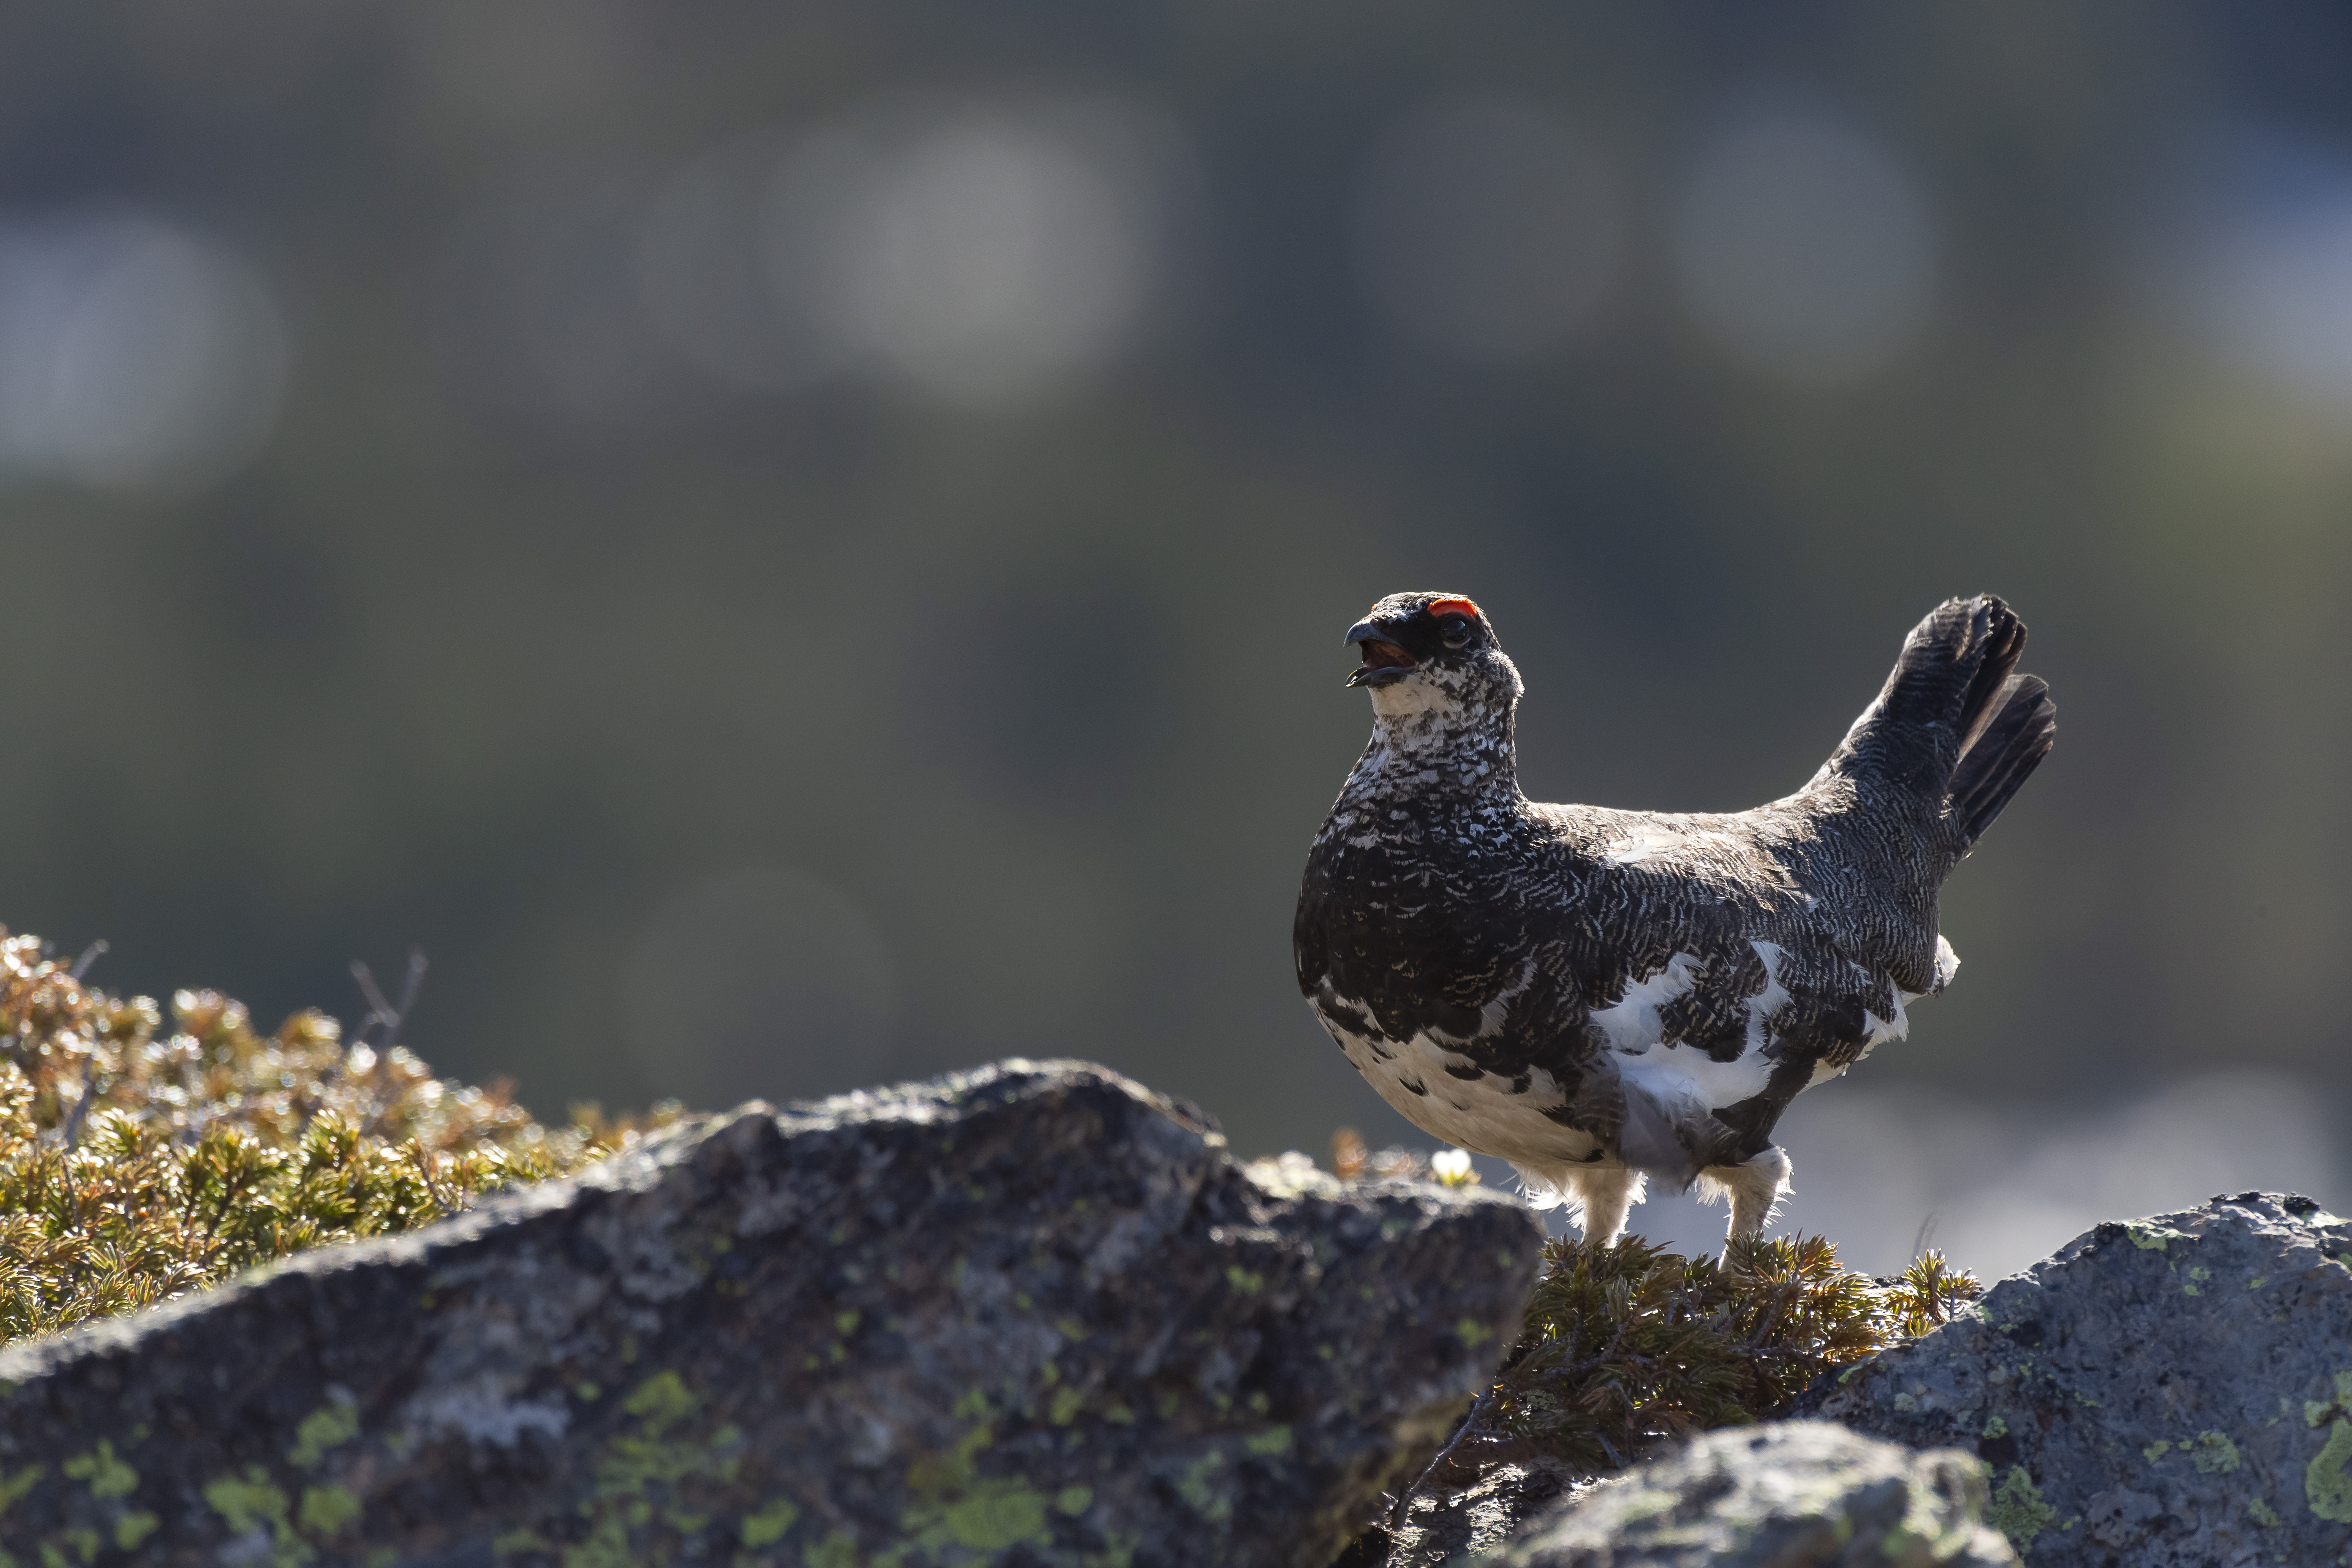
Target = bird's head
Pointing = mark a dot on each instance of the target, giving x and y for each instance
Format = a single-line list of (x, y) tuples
[(1434, 656)]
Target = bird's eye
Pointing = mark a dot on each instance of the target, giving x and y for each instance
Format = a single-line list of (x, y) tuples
[(1454, 617)]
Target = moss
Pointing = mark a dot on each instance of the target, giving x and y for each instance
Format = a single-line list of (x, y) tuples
[(139, 1161), (2018, 1511), (2261, 1513), (132, 1527), (1627, 1344)]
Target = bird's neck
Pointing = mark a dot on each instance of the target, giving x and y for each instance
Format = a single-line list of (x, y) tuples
[(1462, 748)]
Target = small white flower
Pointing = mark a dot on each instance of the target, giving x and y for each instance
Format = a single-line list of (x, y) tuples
[(1452, 1166)]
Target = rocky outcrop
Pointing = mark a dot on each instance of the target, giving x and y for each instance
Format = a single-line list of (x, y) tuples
[(2165, 1392), (1797, 1494), (1030, 1314)]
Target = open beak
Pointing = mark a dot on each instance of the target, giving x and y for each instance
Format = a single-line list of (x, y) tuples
[(1383, 660)]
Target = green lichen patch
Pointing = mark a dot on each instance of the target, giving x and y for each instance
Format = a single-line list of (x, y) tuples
[(17, 1486), (330, 1426), (2017, 1509), (768, 1525), (1272, 1443), (2327, 1488), (2215, 1454), (107, 1476), (326, 1511), (251, 1503), (1198, 1485), (957, 1505), (2155, 1238)]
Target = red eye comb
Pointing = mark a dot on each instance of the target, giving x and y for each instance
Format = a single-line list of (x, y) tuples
[(1441, 607)]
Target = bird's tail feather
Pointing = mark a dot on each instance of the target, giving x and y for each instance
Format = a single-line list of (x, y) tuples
[(2016, 735), (1956, 728)]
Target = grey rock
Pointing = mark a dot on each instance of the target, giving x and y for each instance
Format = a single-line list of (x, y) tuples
[(1479, 1518), (2164, 1393), (1793, 1494), (1031, 1315)]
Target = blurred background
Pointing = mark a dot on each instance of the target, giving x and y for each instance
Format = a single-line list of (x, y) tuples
[(787, 547)]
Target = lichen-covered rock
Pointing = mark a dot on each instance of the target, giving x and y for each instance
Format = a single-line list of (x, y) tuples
[(1030, 1314), (2168, 1392), (1792, 1494)]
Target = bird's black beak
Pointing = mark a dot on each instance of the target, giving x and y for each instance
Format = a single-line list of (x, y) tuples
[(1385, 660)]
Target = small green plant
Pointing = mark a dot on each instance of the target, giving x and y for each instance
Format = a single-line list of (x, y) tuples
[(137, 1164), (1631, 1343)]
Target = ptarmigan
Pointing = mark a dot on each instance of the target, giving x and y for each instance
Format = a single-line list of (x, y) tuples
[(1604, 996)]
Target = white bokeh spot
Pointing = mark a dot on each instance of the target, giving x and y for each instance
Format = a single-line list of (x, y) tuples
[(1806, 250), (133, 355)]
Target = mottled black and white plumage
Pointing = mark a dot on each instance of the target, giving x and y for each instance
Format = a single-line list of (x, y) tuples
[(1601, 997)]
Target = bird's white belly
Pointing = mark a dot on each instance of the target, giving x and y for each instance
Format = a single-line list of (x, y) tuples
[(1680, 1075), (1479, 1114)]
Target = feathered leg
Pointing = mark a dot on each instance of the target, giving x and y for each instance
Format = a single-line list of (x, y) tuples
[(1755, 1187), (1599, 1198), (1604, 1199)]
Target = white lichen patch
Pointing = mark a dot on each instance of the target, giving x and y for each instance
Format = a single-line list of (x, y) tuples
[(481, 1409)]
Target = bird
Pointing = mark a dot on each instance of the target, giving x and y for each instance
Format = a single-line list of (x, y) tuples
[(1607, 998)]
